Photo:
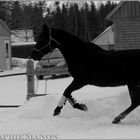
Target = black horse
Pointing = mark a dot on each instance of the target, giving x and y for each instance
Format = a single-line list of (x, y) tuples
[(90, 64)]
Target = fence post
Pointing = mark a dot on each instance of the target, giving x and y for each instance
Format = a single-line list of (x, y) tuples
[(30, 79)]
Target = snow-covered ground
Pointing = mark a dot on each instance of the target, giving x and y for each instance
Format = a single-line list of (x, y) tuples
[(34, 119)]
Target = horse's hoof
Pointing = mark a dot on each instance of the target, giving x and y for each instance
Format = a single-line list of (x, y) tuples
[(57, 111), (116, 121), (82, 107)]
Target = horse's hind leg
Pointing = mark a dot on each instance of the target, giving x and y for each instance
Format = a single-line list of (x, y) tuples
[(124, 114), (135, 101), (75, 85)]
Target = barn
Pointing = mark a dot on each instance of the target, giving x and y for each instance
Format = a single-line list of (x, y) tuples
[(5, 47), (126, 22)]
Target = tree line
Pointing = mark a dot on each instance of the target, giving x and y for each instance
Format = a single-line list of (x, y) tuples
[(86, 21)]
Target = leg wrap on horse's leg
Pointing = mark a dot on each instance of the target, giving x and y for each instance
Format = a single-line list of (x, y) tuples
[(62, 101), (75, 85)]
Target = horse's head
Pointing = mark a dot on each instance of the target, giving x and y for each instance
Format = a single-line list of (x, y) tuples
[(44, 45)]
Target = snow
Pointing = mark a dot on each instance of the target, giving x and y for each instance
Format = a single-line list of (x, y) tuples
[(21, 43), (34, 118)]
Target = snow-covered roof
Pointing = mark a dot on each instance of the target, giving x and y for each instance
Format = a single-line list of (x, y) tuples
[(22, 43)]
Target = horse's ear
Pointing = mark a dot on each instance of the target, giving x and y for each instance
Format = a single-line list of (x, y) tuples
[(45, 27)]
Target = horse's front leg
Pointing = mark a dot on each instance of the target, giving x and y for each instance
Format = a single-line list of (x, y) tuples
[(75, 85)]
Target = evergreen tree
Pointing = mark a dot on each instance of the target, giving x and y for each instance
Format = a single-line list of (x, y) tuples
[(65, 17), (4, 10), (37, 18), (27, 16), (102, 15), (82, 21), (71, 18), (86, 22), (104, 10), (57, 16), (27, 12), (15, 21), (93, 21)]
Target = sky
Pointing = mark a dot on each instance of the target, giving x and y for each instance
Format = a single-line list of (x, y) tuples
[(97, 2), (80, 2)]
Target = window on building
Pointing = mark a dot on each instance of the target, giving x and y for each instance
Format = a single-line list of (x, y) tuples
[(7, 49)]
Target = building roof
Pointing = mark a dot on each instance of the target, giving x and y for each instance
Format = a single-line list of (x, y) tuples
[(109, 16), (4, 25)]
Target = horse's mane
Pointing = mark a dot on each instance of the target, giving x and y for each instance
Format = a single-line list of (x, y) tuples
[(69, 34), (78, 40)]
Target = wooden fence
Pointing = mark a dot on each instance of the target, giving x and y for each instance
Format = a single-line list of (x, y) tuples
[(31, 73)]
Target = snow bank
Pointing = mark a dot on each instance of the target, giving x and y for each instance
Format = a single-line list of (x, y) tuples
[(21, 62), (18, 62)]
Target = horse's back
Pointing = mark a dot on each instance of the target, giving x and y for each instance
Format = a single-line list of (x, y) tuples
[(113, 68)]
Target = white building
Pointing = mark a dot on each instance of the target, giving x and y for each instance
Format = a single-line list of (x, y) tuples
[(5, 47)]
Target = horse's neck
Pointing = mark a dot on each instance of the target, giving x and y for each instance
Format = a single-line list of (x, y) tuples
[(69, 45), (74, 48)]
